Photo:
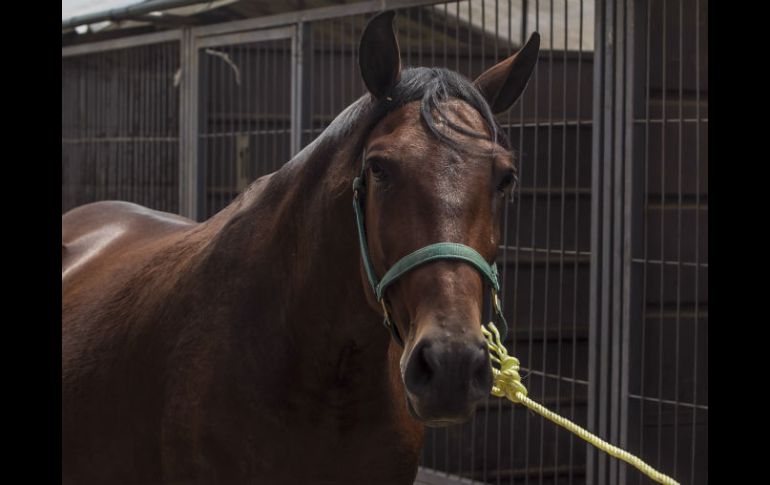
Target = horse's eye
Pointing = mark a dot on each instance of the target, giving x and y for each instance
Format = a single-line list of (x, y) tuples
[(505, 183), (377, 171)]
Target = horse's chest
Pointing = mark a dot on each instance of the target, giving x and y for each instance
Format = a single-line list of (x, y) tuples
[(345, 452), (315, 444)]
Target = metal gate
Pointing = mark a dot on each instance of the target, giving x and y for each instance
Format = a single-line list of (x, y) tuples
[(604, 257), (120, 122), (245, 102), (649, 356)]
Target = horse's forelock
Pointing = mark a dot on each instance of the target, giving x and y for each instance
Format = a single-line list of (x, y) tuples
[(432, 86)]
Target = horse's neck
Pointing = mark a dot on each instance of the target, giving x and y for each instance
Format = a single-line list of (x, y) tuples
[(290, 247)]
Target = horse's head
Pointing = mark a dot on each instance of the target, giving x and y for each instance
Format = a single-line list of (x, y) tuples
[(436, 168)]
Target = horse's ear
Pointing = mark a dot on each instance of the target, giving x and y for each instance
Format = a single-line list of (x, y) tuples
[(503, 83), (378, 55)]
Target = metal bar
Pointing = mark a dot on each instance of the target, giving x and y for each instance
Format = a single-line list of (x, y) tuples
[(321, 13), (165, 127), (145, 117), (153, 106), (207, 147), (681, 120), (78, 175), (678, 319), (84, 116), (469, 73), (562, 213), (249, 86), (421, 32), (298, 55), (235, 128), (146, 111), (311, 86), (485, 453), (134, 118), (661, 280), (675, 403), (505, 238), (646, 225), (264, 122), (132, 124), (191, 195), (122, 43), (445, 64), (547, 268), (631, 221), (513, 318), (138, 159), (353, 56), (240, 167), (128, 12), (217, 163), (408, 42), (531, 305), (99, 118), (108, 158), (693, 440), (470, 39), (141, 119), (274, 162), (596, 276), (545, 375), (246, 37), (460, 440), (604, 267), (457, 36), (119, 117), (157, 111), (131, 97), (577, 240), (618, 160), (259, 107), (175, 149)]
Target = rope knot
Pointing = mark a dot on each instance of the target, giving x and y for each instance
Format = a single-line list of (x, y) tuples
[(506, 381)]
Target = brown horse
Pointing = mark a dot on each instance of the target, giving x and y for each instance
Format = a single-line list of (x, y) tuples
[(249, 348)]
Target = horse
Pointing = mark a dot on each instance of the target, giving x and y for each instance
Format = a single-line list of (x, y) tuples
[(248, 348)]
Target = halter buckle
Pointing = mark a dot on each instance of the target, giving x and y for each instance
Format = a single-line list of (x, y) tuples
[(496, 302), (385, 312)]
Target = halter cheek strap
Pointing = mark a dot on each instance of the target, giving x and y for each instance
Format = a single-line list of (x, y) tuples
[(433, 252)]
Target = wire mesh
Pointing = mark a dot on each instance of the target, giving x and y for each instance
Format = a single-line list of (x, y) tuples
[(120, 131), (245, 113), (668, 393)]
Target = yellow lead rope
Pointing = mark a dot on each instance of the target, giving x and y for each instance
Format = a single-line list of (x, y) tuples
[(507, 383)]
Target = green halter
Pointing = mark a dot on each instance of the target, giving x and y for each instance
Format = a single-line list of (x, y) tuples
[(433, 252)]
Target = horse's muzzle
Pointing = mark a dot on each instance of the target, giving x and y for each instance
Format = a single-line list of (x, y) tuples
[(446, 378)]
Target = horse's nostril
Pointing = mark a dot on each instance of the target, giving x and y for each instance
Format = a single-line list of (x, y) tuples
[(421, 367)]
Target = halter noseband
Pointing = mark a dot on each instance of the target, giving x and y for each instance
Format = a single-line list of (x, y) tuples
[(432, 252)]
